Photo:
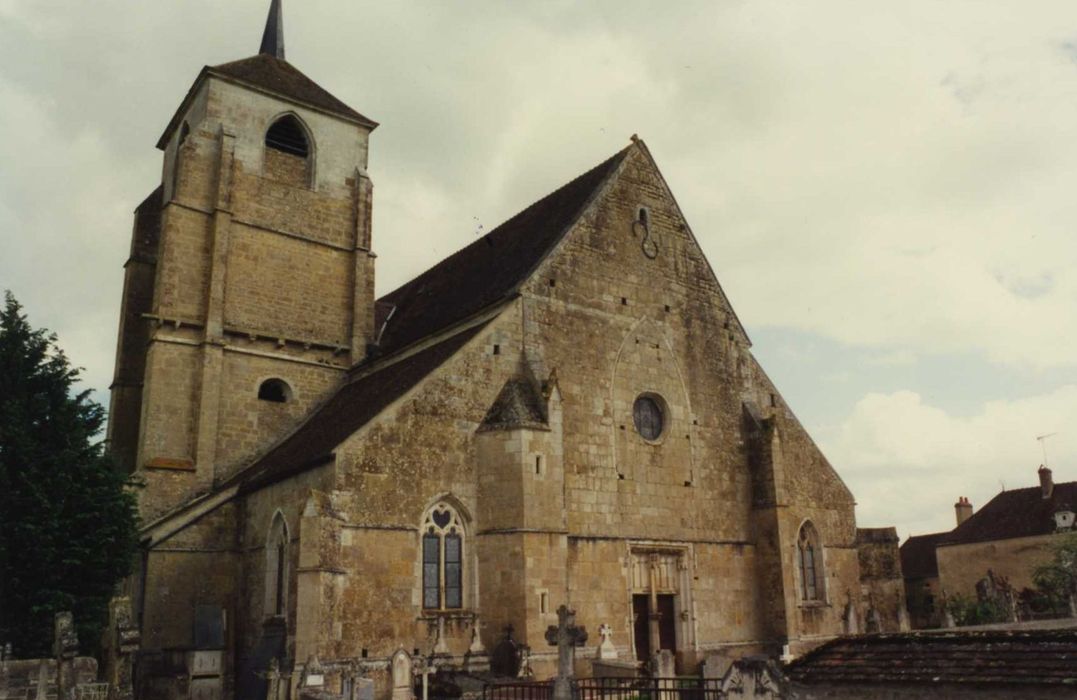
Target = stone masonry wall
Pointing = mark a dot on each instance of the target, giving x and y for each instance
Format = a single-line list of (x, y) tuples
[(962, 565)]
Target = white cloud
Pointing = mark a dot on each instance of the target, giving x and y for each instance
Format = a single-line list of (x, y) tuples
[(907, 462)]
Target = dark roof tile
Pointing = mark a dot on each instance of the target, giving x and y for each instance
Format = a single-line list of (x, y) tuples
[(353, 405), (280, 77), (1037, 658), (918, 556), (1016, 513), (492, 267)]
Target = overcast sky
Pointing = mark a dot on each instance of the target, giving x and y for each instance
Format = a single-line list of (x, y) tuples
[(888, 191)]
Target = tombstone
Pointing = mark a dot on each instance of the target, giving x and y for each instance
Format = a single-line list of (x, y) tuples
[(313, 674), (663, 664), (401, 666), (476, 660), (873, 624), (903, 614), (753, 678), (716, 666), (566, 636), (208, 627), (275, 685), (364, 689), (606, 649), (850, 618), (65, 649), (505, 659), (123, 640)]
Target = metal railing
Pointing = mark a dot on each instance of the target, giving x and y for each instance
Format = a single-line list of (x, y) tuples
[(542, 690), (688, 688), (91, 691)]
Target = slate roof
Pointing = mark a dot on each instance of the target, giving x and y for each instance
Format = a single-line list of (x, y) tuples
[(274, 75), (997, 658), (517, 406), (918, 558), (280, 77), (346, 411), (1016, 513), (492, 268)]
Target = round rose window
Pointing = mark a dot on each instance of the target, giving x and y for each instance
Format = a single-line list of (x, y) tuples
[(648, 417)]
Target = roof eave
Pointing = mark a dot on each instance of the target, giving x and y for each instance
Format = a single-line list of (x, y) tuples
[(173, 123), (207, 71)]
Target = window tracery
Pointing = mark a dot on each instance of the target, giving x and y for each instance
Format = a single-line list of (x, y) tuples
[(443, 559)]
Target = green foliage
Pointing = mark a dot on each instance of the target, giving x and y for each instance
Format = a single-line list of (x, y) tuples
[(1057, 579), (970, 611), (68, 521)]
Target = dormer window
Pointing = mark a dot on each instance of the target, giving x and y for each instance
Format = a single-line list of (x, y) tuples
[(1064, 518), (286, 135)]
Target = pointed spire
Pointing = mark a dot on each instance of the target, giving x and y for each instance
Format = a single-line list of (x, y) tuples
[(273, 37)]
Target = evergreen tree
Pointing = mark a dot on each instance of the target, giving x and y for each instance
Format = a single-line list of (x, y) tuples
[(68, 518)]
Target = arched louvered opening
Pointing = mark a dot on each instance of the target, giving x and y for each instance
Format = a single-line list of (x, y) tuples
[(289, 152), (288, 136), (274, 391)]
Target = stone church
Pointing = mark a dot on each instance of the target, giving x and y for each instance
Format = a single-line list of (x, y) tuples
[(566, 411)]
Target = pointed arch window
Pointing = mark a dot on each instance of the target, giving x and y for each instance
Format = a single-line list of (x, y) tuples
[(443, 559), (288, 136), (276, 575), (810, 564)]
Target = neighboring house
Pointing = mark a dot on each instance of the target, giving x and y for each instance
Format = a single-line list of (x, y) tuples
[(921, 571), (565, 411), (1009, 537)]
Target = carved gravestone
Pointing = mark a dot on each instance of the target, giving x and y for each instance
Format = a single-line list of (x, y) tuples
[(123, 640), (566, 636), (606, 649), (401, 667)]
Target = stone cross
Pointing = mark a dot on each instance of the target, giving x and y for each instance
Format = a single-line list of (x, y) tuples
[(566, 636)]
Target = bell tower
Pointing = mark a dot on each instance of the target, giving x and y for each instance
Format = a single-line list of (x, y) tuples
[(249, 289)]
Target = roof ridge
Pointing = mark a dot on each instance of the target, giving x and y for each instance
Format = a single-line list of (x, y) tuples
[(507, 221), (491, 268)]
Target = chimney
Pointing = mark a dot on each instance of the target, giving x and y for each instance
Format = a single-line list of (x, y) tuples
[(962, 509), (1047, 485)]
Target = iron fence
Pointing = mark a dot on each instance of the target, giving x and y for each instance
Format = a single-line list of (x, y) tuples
[(518, 691), (688, 688)]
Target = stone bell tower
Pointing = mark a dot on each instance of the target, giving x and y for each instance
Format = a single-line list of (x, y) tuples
[(249, 289)]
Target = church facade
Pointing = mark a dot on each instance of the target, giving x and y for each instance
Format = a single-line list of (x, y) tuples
[(566, 411)]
